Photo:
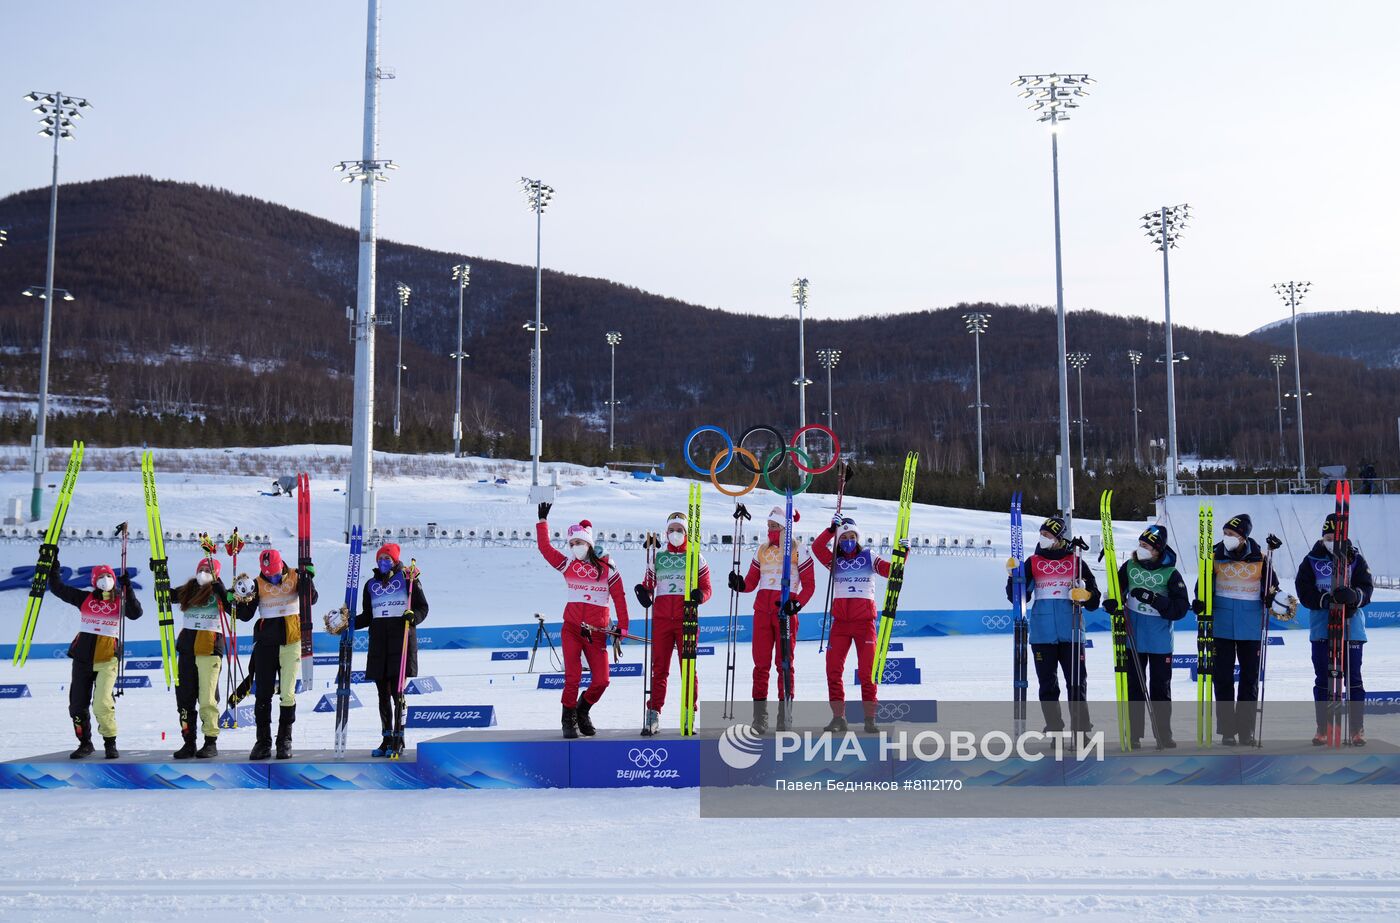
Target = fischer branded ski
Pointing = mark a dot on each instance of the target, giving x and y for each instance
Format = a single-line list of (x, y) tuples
[(1205, 628), (160, 571), (345, 661), (899, 553), (690, 613), (1020, 626), (785, 623), (303, 586), (1114, 591), (1337, 625), (48, 552)]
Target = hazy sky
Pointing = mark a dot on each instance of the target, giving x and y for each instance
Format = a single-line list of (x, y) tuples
[(714, 151)]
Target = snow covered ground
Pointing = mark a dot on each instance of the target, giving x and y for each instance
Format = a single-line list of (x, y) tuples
[(606, 854)]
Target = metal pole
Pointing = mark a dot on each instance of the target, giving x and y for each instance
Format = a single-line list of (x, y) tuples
[(1083, 459), (1066, 466), (977, 346), (398, 374), (1171, 360), (360, 504), (830, 417), (612, 397), (1298, 382), (801, 369), (36, 504), (1278, 388), (1137, 446), (535, 421), (457, 416)]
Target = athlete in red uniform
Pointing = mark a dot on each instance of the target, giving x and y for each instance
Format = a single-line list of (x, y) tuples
[(663, 588)]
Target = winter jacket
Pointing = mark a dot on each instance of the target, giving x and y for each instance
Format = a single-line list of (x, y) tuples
[(853, 598), (385, 599), (1239, 592), (1150, 623), (277, 608), (1314, 585), (666, 579), (97, 612), (202, 632), (1050, 575), (590, 586)]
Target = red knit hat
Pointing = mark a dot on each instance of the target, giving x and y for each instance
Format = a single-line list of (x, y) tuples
[(270, 562), (102, 570), (388, 550), (210, 564)]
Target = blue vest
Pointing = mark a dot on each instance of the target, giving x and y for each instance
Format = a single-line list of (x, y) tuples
[(389, 600), (1317, 618)]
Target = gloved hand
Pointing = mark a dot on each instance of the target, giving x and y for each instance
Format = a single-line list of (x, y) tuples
[(412, 619), (736, 583), (1079, 595), (904, 545), (793, 606), (643, 595), (1273, 542), (836, 522), (1146, 597), (411, 572), (1198, 606), (310, 571), (1346, 596), (696, 596), (124, 580), (1012, 565), (49, 549), (1110, 605), (544, 511)]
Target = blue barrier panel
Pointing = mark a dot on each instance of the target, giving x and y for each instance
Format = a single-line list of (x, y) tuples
[(326, 660), (914, 711), (705, 650), (451, 716), (510, 655), (422, 685), (143, 665), (14, 691), (896, 647), (327, 702), (625, 669), (632, 763), (242, 716), (1382, 703), (133, 682)]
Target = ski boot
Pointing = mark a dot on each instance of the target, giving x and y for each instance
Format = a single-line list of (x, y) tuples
[(386, 746), (1166, 743), (262, 747), (109, 748), (585, 724), (209, 750), (1320, 738), (784, 715), (83, 752), (187, 751), (396, 747), (760, 716), (1358, 738), (651, 726), (285, 719), (871, 727), (570, 723), (1228, 740), (84, 732), (836, 726), (1247, 740)]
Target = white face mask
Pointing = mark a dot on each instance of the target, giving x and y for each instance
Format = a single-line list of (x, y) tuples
[(1329, 545), (1231, 542), (204, 578), (1045, 543), (579, 551), (676, 539), (105, 584), (1145, 553)]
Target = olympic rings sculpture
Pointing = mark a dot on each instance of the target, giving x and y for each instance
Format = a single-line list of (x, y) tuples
[(762, 471)]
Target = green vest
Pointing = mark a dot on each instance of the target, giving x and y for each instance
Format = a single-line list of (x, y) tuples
[(670, 573), (1156, 581)]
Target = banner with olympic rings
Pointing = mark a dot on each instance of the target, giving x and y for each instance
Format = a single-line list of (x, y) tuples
[(771, 463)]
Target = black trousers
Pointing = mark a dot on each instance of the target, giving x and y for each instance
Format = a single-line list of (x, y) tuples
[(1157, 669), (1235, 715), (1050, 661), (391, 706)]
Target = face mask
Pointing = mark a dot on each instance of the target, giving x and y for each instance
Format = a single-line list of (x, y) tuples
[(1145, 553), (204, 578), (105, 584), (386, 565), (1329, 545), (1045, 544), (775, 536), (275, 579), (1232, 542), (848, 546), (675, 539), (579, 551)]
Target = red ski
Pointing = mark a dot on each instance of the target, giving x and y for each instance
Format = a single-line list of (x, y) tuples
[(303, 582)]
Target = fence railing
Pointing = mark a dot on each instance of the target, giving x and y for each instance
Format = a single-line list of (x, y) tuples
[(1215, 487)]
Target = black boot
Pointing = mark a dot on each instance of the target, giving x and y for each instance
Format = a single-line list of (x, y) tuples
[(837, 725), (570, 723), (871, 727), (209, 750), (585, 725), (187, 751), (84, 732), (760, 716), (262, 747), (109, 748), (784, 715), (285, 719)]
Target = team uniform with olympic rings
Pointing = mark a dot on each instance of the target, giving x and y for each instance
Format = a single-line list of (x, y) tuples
[(665, 581), (766, 576), (590, 587), (852, 616)]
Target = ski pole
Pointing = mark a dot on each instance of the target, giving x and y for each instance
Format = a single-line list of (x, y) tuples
[(1273, 542), (831, 576), (650, 546), (121, 618), (403, 665), (741, 513)]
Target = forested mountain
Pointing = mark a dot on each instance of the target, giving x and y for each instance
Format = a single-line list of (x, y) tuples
[(1372, 337), (206, 317)]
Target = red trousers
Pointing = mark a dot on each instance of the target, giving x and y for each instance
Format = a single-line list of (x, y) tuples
[(844, 633), (575, 651), (665, 639), (768, 652)]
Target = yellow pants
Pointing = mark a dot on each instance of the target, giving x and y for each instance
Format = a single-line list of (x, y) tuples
[(104, 707), (200, 687), (289, 663)]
